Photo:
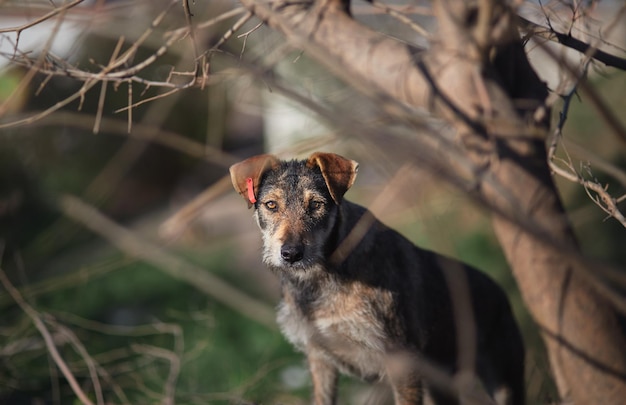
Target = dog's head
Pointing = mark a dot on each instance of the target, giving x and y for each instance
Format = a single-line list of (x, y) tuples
[(296, 204)]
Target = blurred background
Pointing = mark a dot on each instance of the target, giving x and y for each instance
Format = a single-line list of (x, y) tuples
[(132, 316)]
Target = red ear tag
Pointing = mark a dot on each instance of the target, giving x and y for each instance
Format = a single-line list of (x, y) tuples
[(250, 185)]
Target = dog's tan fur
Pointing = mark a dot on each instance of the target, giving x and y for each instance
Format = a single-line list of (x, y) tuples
[(378, 310)]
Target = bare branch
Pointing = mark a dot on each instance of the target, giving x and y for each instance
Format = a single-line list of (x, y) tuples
[(174, 358), (597, 192), (99, 111), (92, 366), (569, 41), (45, 17), (400, 16), (184, 217), (133, 245), (41, 327)]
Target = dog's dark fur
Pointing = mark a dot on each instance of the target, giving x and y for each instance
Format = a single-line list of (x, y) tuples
[(359, 298)]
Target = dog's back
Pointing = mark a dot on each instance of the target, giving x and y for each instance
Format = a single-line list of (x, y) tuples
[(423, 313), (360, 298)]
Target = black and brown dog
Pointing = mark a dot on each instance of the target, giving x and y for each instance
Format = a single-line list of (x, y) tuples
[(361, 299)]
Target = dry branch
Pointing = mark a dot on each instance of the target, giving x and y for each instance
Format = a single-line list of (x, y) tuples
[(51, 346), (56, 11), (598, 193), (131, 244), (119, 69), (569, 41)]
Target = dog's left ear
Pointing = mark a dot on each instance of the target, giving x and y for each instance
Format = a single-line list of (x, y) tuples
[(339, 172), (246, 175)]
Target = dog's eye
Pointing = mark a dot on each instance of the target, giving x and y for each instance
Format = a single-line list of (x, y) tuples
[(271, 205), (316, 205)]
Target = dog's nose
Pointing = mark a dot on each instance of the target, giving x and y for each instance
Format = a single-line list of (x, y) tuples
[(292, 253)]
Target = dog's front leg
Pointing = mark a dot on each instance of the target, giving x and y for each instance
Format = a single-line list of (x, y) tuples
[(405, 380), (324, 375), (407, 390)]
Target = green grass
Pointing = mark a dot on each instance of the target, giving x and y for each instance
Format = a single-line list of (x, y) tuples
[(226, 357)]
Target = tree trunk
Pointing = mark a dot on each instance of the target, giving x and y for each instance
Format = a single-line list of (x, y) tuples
[(467, 78)]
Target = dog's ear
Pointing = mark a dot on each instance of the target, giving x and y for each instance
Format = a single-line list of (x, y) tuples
[(339, 172), (246, 175)]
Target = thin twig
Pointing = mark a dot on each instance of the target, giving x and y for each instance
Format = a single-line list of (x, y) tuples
[(184, 217), (245, 36), (151, 132), (130, 110), (92, 366), (567, 40), (103, 90), (26, 80), (57, 283), (43, 18), (400, 16), (43, 330), (181, 32), (111, 72), (200, 61), (602, 198), (133, 245), (147, 100), (173, 358), (229, 33)]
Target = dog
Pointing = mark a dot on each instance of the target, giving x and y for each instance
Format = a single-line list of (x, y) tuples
[(360, 299)]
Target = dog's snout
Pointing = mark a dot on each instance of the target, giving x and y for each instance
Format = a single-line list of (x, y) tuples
[(292, 253)]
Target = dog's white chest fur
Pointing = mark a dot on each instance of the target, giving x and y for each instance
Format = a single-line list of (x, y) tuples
[(352, 338)]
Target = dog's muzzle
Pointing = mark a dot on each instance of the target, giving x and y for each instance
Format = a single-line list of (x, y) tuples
[(292, 253)]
